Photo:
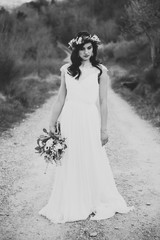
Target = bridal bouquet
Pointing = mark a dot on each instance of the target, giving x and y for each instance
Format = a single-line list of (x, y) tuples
[(52, 146)]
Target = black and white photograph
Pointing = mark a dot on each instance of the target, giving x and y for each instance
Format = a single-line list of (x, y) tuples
[(79, 119)]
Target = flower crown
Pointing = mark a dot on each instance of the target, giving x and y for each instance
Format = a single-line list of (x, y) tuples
[(80, 40)]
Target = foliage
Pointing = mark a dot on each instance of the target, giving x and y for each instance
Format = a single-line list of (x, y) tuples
[(145, 102), (11, 111), (38, 5), (29, 92), (109, 30), (26, 46), (29, 37), (143, 17), (24, 96), (9, 71), (151, 77), (104, 9), (124, 51)]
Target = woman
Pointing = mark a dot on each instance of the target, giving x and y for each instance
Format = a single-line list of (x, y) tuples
[(84, 185)]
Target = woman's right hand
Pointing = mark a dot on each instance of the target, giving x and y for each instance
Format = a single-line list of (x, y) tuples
[(52, 129), (104, 137)]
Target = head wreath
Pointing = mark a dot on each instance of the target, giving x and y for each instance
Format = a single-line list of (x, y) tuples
[(82, 39)]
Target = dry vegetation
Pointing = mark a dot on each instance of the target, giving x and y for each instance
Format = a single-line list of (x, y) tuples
[(28, 45), (138, 52)]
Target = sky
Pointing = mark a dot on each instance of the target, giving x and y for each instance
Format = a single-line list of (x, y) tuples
[(12, 3)]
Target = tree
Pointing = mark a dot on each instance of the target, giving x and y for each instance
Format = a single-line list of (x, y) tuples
[(142, 17), (21, 15), (38, 5)]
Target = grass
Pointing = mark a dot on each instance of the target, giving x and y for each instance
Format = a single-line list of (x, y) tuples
[(23, 85), (144, 101), (24, 96), (135, 79)]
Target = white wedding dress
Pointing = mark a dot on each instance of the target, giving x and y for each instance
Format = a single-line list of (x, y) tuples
[(84, 183)]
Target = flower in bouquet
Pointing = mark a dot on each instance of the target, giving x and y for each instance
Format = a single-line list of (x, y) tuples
[(51, 146)]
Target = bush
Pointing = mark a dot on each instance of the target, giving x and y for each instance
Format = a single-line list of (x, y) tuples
[(108, 30), (156, 98), (142, 89), (49, 66), (9, 70), (10, 111), (125, 50), (31, 92), (145, 101), (26, 92), (27, 67), (151, 77), (105, 53), (24, 96)]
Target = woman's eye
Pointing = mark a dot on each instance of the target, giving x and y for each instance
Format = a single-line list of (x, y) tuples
[(83, 49)]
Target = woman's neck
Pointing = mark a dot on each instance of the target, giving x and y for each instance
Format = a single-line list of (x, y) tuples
[(86, 64)]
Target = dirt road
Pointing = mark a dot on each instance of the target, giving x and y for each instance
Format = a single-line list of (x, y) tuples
[(134, 153)]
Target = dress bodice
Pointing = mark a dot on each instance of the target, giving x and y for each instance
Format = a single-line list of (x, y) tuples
[(86, 88)]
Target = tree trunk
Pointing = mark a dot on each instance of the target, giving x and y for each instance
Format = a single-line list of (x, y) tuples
[(155, 51), (157, 56)]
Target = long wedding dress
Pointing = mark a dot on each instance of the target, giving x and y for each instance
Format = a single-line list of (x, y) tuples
[(84, 183)]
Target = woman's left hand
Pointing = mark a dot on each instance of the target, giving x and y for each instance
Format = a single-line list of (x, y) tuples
[(104, 137)]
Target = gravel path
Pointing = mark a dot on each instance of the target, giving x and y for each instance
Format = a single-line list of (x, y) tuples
[(134, 152)]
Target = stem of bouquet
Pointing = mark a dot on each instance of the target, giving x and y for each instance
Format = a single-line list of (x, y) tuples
[(46, 168), (58, 163)]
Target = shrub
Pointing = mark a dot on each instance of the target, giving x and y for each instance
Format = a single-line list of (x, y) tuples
[(122, 50), (152, 78), (142, 89), (27, 67), (30, 92), (48, 66), (108, 30), (26, 92), (105, 52), (10, 111), (9, 70), (156, 98), (125, 49)]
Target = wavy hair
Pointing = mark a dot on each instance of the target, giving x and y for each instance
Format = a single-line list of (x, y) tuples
[(76, 61)]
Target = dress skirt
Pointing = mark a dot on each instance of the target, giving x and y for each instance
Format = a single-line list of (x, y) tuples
[(84, 182)]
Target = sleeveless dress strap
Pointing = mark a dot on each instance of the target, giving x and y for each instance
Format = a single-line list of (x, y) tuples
[(104, 68), (64, 67)]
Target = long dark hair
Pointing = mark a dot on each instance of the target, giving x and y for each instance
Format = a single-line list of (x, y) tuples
[(76, 61)]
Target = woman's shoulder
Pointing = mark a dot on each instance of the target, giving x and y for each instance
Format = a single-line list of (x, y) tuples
[(64, 67), (104, 68)]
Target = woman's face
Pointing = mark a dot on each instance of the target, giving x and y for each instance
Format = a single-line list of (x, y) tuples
[(86, 51)]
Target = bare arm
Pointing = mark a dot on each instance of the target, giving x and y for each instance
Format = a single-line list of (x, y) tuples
[(59, 102), (103, 89)]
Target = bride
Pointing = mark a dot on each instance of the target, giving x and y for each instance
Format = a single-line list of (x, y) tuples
[(84, 185)]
